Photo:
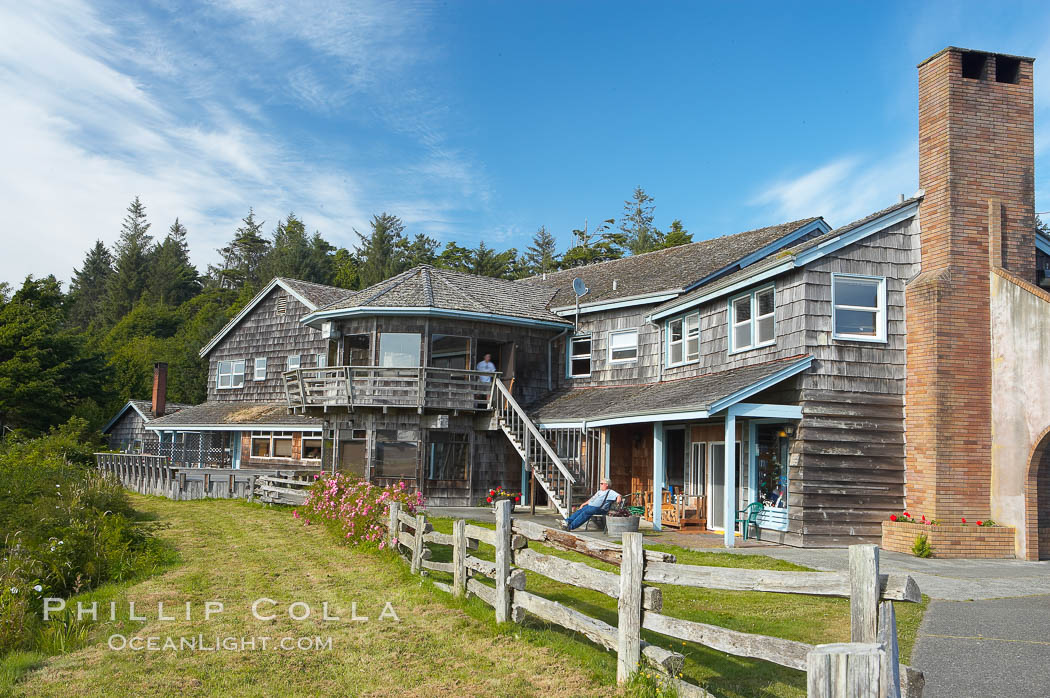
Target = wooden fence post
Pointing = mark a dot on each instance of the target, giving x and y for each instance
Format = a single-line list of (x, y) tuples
[(391, 534), (502, 560), (864, 592), (844, 670), (459, 557), (891, 667), (417, 547), (251, 488), (629, 607)]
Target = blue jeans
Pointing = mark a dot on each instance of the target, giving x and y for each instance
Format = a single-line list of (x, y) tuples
[(580, 517)]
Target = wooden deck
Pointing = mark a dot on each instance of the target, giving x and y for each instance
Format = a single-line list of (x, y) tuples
[(421, 388)]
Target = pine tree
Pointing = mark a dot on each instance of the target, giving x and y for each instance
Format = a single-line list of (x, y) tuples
[(173, 279), (87, 292), (379, 250), (600, 246), (637, 223), (485, 261), (243, 257), (422, 250), (541, 257), (346, 266), (131, 267), (676, 236), (297, 255), (454, 257)]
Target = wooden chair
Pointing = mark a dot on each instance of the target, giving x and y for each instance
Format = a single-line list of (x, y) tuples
[(678, 510)]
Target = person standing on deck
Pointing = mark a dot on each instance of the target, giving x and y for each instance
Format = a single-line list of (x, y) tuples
[(595, 505), (486, 366)]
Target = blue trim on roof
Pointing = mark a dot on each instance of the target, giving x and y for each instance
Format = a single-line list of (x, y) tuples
[(757, 387), (813, 226), (120, 414), (422, 311), (1042, 243), (858, 233)]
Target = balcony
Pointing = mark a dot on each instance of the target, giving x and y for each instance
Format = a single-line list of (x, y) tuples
[(422, 388)]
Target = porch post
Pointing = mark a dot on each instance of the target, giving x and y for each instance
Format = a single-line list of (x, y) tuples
[(729, 504), (606, 452), (658, 473)]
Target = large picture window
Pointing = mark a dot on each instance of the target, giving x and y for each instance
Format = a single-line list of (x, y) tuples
[(275, 444), (859, 307), (751, 320), (683, 339), (399, 349), (396, 453), (580, 356), (623, 346), (230, 374), (448, 455)]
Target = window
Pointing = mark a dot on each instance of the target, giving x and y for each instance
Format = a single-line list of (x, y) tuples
[(322, 361), (859, 308), (580, 356), (230, 374), (448, 454), (353, 452), (356, 350), (399, 349), (294, 362), (623, 346), (396, 454), (751, 320), (276, 444), (311, 448), (683, 339), (260, 368), (282, 305)]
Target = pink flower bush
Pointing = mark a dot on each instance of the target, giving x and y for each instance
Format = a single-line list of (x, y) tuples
[(354, 510)]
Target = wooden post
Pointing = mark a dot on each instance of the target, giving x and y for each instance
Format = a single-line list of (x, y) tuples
[(502, 560), (864, 592), (251, 488), (532, 490), (229, 489), (417, 538), (629, 624), (844, 670), (891, 667), (391, 533), (459, 557)]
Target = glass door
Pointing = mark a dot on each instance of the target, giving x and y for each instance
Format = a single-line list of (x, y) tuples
[(716, 459), (696, 470)]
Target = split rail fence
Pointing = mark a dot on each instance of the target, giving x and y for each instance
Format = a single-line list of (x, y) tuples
[(867, 667)]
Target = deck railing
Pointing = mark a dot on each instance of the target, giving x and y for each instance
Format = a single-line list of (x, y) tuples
[(380, 386)]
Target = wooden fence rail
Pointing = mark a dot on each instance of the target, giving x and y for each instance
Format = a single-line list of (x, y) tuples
[(833, 671)]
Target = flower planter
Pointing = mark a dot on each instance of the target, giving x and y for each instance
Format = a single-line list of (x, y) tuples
[(951, 540), (618, 525)]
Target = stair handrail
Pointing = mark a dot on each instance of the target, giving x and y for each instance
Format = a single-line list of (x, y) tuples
[(533, 431)]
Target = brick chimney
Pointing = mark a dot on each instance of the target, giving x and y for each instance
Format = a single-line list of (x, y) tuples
[(160, 388), (976, 155)]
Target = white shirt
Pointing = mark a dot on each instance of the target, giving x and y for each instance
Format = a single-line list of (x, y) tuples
[(600, 498), (488, 367)]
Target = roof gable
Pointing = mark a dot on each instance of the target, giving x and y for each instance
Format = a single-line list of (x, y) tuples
[(144, 409)]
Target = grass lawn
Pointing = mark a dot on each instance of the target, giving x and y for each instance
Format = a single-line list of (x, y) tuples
[(236, 552)]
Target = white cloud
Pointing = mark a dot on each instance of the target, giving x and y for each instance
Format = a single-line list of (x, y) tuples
[(843, 190)]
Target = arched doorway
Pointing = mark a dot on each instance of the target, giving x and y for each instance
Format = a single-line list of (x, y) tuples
[(1038, 501)]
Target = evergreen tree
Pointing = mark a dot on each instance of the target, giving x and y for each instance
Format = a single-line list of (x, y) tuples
[(243, 257), (173, 279), (541, 257), (676, 236), (637, 223), (296, 255), (454, 257), (346, 266), (422, 250), (600, 246), (485, 261), (87, 292), (131, 268), (380, 250)]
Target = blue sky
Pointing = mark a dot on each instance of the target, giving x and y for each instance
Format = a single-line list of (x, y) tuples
[(471, 121)]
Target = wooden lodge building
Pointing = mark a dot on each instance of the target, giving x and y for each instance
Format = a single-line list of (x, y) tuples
[(830, 376)]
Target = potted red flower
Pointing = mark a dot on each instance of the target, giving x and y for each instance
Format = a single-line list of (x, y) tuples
[(497, 494)]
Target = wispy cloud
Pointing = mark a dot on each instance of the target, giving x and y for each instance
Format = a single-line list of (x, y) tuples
[(844, 189)]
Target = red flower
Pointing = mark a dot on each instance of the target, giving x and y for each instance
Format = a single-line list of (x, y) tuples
[(907, 514), (492, 492), (489, 500), (517, 498), (980, 523), (893, 517), (924, 517), (964, 519)]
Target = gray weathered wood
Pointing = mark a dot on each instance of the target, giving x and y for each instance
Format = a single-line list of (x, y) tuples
[(787, 653), (443, 587), (591, 547), (437, 537), (459, 556), (893, 587), (864, 592), (437, 566), (392, 525), (503, 555), (582, 575), (417, 541), (629, 608), (485, 535), (482, 591), (887, 637), (593, 629), (411, 521), (844, 670)]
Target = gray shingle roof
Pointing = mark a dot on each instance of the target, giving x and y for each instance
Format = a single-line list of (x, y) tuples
[(318, 294), (146, 407), (685, 394), (227, 413), (429, 287), (778, 258), (670, 269)]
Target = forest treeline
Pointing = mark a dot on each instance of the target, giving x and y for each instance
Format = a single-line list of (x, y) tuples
[(84, 351)]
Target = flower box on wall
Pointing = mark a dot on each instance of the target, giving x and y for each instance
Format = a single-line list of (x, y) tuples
[(952, 540)]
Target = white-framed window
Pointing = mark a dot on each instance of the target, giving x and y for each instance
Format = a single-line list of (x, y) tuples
[(271, 444), (294, 362), (751, 319), (580, 356), (858, 307), (322, 360), (683, 339), (623, 346), (260, 368), (230, 374)]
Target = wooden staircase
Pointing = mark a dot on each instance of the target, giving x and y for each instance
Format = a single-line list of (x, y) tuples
[(550, 472)]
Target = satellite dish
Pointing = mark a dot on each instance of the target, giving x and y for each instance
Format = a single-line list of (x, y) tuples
[(579, 288)]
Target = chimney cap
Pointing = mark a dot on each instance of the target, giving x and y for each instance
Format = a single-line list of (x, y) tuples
[(956, 49)]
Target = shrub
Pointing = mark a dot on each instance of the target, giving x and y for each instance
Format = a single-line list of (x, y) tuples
[(921, 547), (353, 509)]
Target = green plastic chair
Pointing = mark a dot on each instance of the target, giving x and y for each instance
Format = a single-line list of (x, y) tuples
[(748, 517)]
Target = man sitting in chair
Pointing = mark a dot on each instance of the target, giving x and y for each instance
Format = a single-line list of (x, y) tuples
[(600, 503)]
